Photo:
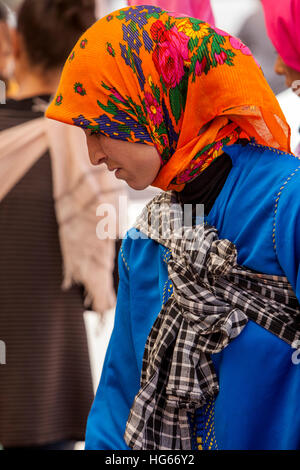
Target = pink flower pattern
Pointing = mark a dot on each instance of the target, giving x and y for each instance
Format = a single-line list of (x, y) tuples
[(200, 66), (153, 108), (221, 58), (170, 53)]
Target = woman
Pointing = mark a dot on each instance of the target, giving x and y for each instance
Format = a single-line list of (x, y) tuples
[(49, 195), (283, 25), (174, 103)]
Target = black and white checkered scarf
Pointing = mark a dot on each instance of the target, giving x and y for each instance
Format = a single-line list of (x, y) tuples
[(212, 300)]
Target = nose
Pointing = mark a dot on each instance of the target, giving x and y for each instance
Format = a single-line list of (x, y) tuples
[(96, 154), (97, 158)]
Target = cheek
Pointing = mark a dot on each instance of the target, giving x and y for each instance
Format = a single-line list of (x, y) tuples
[(156, 165), (140, 171), (150, 166)]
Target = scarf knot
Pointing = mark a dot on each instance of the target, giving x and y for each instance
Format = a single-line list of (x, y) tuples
[(221, 258)]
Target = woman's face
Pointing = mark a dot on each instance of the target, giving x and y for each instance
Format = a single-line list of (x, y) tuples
[(291, 75), (137, 164)]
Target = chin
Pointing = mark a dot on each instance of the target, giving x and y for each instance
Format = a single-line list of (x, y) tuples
[(137, 186)]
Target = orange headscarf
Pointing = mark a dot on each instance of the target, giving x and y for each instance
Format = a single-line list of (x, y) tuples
[(142, 75)]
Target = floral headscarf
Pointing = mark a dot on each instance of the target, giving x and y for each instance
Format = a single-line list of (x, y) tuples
[(144, 76), (283, 25)]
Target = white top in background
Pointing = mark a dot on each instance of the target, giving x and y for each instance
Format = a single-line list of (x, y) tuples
[(290, 105)]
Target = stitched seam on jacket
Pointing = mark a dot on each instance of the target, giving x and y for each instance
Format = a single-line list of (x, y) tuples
[(279, 152), (276, 205), (123, 258)]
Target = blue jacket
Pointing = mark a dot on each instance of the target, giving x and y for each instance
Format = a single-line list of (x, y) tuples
[(258, 405)]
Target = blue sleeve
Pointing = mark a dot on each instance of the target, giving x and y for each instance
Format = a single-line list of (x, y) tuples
[(120, 379), (287, 229)]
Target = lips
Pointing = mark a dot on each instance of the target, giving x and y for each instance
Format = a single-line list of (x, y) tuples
[(110, 168), (113, 169)]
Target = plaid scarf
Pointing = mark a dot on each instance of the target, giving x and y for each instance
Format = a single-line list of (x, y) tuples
[(212, 300)]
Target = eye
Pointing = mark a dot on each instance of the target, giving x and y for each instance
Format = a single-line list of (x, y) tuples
[(95, 133)]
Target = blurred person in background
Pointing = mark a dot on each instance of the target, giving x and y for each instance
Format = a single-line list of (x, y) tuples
[(5, 43), (283, 26), (6, 55), (253, 33), (48, 199)]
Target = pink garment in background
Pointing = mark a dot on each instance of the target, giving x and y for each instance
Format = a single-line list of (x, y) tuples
[(195, 8), (283, 25)]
